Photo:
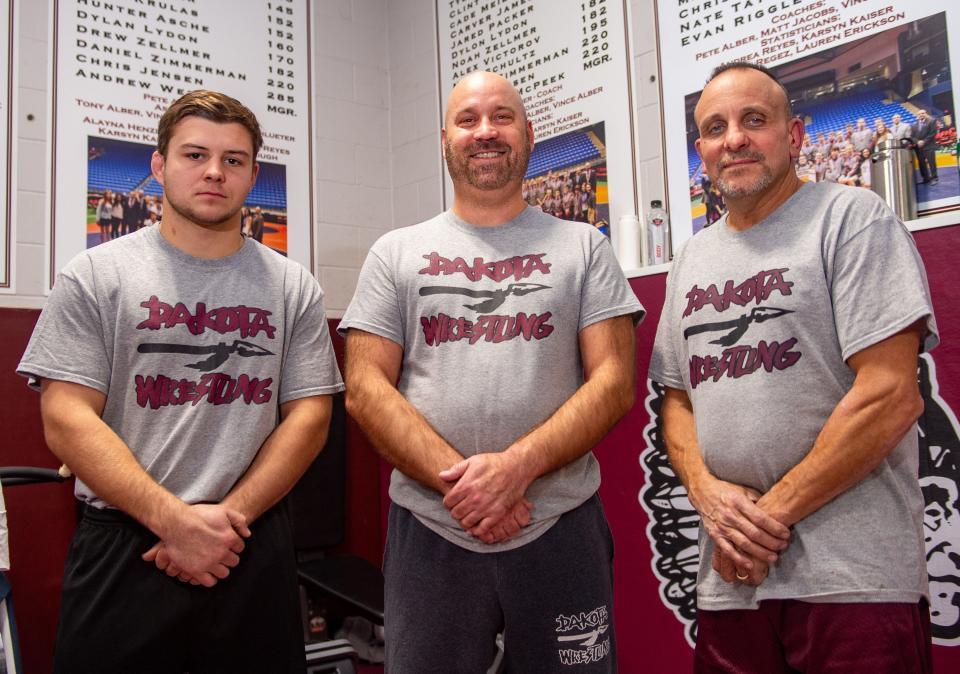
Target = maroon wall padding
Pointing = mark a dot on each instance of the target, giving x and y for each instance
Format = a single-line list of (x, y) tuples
[(364, 533), (41, 517), (939, 247)]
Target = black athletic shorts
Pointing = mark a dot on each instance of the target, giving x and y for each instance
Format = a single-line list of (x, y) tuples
[(121, 614)]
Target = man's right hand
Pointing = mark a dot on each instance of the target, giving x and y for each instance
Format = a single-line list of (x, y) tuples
[(738, 527), (201, 544)]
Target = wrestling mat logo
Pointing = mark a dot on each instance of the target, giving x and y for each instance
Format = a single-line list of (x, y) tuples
[(673, 526)]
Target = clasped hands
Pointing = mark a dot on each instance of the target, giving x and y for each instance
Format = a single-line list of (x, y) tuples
[(200, 544), (487, 496), (746, 538)]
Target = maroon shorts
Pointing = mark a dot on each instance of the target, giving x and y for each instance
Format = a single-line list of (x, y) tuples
[(785, 636)]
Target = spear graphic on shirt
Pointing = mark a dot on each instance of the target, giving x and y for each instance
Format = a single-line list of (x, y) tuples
[(737, 326), (497, 297), (219, 352)]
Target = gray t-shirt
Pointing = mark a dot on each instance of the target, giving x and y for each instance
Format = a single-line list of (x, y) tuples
[(900, 131), (756, 328), (195, 356), (861, 139), (488, 319)]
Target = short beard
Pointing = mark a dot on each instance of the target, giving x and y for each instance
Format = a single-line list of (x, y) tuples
[(759, 185), (493, 179)]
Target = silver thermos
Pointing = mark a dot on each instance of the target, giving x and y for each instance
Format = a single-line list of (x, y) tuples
[(891, 176)]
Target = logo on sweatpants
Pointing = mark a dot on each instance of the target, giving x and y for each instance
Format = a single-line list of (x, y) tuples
[(586, 633)]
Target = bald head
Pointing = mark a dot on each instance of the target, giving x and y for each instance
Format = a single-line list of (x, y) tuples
[(483, 86)]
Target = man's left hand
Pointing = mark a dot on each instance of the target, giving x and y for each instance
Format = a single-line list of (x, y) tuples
[(487, 487)]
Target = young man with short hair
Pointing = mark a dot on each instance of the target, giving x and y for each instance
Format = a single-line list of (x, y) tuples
[(185, 376)]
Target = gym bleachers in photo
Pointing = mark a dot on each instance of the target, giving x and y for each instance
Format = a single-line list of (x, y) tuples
[(121, 167), (125, 166), (835, 115), (693, 159), (564, 150), (271, 189), (152, 188)]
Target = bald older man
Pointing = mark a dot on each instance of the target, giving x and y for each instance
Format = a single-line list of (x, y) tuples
[(488, 350), (789, 360)]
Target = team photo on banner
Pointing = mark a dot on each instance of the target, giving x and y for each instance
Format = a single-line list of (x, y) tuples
[(115, 72)]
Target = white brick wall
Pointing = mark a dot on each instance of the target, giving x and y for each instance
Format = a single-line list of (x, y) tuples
[(31, 111), (414, 111), (352, 140), (377, 133)]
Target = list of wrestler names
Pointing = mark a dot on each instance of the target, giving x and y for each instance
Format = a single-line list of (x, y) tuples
[(160, 50), (529, 43), (770, 31)]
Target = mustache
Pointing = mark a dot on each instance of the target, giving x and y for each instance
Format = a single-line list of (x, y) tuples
[(487, 146), (748, 154)]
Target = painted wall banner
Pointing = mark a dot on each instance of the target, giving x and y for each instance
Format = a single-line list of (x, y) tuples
[(842, 61), (117, 66), (571, 63), (8, 144)]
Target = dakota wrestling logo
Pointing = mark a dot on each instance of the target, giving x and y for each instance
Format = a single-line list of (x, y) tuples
[(442, 328), (674, 523), (216, 388), (589, 636)]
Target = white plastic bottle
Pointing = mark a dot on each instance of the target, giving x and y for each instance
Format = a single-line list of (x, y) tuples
[(658, 233)]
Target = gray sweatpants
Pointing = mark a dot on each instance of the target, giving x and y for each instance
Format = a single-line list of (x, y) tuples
[(551, 598)]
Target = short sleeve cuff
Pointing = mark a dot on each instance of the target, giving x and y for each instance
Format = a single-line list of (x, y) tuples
[(312, 391), (635, 310), (930, 340), (378, 330), (34, 373)]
